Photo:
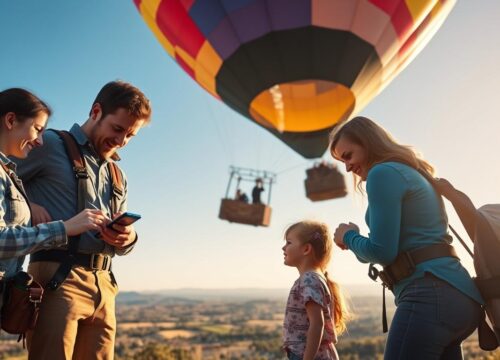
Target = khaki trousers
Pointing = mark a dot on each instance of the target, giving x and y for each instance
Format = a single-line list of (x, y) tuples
[(77, 321)]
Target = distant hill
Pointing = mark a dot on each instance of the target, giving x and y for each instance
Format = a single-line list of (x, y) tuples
[(186, 294)]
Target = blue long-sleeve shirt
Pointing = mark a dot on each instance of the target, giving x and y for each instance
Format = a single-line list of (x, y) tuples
[(404, 213)]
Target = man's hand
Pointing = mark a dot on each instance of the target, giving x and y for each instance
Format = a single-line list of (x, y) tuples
[(119, 236), (338, 236), (38, 214)]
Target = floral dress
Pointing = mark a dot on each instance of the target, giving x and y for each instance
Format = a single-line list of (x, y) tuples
[(310, 286)]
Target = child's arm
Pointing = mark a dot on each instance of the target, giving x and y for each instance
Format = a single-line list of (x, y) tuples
[(315, 331)]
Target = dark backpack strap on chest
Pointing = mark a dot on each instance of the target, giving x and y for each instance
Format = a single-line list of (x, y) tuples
[(78, 165), (80, 170), (117, 183)]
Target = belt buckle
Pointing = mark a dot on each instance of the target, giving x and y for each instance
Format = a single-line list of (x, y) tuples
[(94, 261)]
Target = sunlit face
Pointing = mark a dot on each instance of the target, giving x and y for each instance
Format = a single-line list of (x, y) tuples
[(293, 250), (354, 157), (26, 135), (113, 132)]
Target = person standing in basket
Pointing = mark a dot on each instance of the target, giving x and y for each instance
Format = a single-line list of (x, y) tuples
[(77, 315), (256, 191), (23, 118), (438, 305)]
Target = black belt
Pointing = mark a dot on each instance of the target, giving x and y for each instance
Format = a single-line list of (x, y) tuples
[(88, 261)]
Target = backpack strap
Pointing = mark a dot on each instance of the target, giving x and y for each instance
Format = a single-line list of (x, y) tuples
[(432, 181), (117, 183), (79, 166), (80, 169)]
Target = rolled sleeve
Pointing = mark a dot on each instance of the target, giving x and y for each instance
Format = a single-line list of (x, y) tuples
[(127, 249), (23, 240), (57, 234)]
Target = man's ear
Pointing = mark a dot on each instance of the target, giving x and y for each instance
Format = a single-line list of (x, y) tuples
[(96, 112), (9, 119)]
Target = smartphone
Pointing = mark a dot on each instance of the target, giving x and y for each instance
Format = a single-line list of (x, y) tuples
[(126, 218)]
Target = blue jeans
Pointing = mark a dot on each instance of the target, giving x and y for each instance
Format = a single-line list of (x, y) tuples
[(431, 321)]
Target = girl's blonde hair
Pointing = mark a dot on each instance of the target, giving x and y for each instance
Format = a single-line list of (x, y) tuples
[(379, 144), (318, 235)]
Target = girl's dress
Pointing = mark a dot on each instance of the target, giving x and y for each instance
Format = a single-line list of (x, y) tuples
[(310, 286)]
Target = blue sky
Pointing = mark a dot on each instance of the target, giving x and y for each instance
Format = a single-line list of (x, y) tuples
[(444, 104)]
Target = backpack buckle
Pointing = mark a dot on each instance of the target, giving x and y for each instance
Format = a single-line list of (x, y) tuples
[(117, 190), (80, 172), (387, 278)]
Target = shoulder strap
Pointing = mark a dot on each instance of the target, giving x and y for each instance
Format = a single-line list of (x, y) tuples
[(78, 162), (431, 180), (79, 167), (5, 168), (117, 183)]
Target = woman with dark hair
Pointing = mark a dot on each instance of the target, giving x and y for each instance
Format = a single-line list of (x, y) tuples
[(438, 305), (23, 118)]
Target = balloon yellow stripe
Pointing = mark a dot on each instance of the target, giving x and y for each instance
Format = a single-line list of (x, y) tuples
[(151, 6), (148, 11), (437, 9), (209, 59), (419, 9), (207, 66)]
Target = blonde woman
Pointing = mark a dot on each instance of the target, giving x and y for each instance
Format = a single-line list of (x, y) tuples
[(438, 305)]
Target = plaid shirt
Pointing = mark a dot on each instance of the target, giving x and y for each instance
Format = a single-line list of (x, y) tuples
[(17, 236)]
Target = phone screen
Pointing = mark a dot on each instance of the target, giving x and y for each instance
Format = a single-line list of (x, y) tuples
[(126, 218)]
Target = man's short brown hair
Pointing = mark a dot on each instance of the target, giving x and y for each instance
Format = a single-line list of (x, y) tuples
[(119, 94)]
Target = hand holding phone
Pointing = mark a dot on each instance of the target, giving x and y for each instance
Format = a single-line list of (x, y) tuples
[(125, 219)]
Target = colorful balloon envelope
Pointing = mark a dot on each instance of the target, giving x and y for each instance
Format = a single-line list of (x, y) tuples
[(295, 67)]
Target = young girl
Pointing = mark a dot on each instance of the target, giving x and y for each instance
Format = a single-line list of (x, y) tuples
[(315, 312)]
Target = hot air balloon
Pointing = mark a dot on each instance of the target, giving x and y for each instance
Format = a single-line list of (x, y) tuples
[(295, 67), (240, 210)]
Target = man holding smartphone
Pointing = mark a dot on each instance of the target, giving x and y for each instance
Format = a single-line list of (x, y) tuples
[(77, 315)]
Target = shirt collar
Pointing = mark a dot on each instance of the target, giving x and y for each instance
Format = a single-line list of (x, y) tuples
[(5, 160), (83, 140)]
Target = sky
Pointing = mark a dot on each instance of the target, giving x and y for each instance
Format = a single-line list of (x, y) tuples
[(445, 104)]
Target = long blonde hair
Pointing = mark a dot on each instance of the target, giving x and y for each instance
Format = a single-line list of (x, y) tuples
[(379, 144), (318, 235)]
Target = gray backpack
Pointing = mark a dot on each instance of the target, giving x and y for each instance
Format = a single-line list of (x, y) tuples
[(483, 227)]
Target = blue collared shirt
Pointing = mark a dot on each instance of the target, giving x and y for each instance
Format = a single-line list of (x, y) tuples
[(17, 236), (50, 181)]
